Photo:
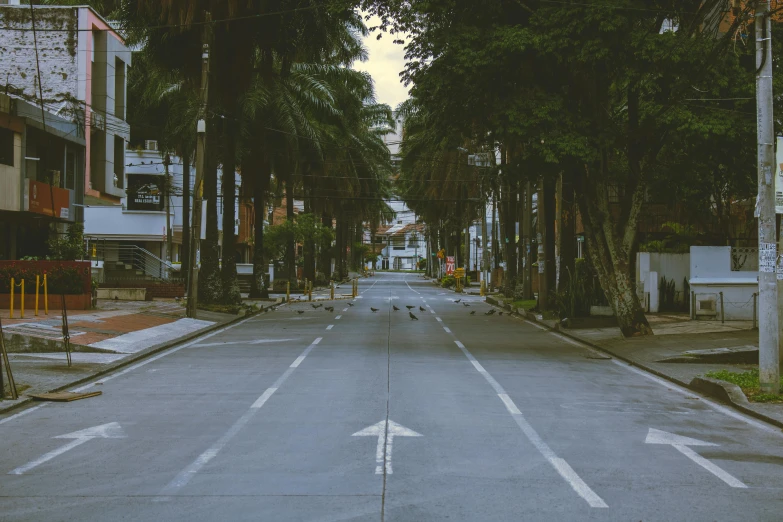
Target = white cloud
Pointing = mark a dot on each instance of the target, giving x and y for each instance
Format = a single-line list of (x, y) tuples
[(386, 61)]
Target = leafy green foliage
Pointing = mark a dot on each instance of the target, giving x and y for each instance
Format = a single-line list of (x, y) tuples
[(749, 382), (69, 247)]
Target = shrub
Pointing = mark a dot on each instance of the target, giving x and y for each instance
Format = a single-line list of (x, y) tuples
[(448, 282)]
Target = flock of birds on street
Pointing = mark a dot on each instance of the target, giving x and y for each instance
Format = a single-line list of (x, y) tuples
[(396, 309)]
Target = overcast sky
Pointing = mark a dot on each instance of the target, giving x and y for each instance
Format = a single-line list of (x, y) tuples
[(385, 64)]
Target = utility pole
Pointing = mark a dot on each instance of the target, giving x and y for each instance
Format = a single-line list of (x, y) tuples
[(769, 356), (543, 287), (527, 231), (167, 186), (485, 244), (198, 189)]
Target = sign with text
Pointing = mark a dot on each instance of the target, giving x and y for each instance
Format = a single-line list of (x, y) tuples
[(145, 192), (450, 265), (40, 200), (459, 273)]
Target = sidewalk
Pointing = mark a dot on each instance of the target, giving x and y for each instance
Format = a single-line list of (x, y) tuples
[(115, 334), (674, 335)]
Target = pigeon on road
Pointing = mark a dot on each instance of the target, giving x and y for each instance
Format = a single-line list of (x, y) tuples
[(350, 304), (315, 307), (473, 312), (395, 308), (489, 313), (422, 309), (409, 307), (465, 304), (373, 309), (300, 312), (330, 308), (500, 313), (413, 316), (458, 300)]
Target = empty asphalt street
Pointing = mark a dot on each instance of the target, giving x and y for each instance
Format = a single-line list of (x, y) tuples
[(361, 415)]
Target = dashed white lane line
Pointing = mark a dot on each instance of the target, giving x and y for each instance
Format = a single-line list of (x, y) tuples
[(439, 319), (185, 476), (330, 327), (560, 465), (432, 311), (345, 309), (447, 329), (338, 317), (131, 368)]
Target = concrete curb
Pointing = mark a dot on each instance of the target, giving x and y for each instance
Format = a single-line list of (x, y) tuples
[(719, 390), (134, 358)]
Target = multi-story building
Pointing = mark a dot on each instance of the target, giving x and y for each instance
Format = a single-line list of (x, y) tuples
[(131, 236), (74, 63), (41, 176)]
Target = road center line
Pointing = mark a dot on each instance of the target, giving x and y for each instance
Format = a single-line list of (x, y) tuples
[(561, 466), (185, 476), (447, 329)]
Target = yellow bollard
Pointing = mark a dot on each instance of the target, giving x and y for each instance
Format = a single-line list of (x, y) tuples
[(21, 309), (37, 286), (46, 297), (11, 306), (288, 291)]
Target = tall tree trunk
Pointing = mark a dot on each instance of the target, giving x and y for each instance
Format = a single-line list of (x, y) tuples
[(186, 230), (290, 248), (527, 227), (326, 249), (549, 244), (510, 237), (543, 288), (340, 247), (566, 249), (209, 281), (231, 294), (610, 248), (309, 246), (260, 182)]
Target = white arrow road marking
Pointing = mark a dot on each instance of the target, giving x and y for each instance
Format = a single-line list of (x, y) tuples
[(385, 436), (111, 430), (681, 444)]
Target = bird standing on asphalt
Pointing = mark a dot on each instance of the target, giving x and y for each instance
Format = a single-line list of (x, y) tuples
[(465, 304), (350, 304), (316, 307), (413, 316), (458, 300), (373, 309), (409, 307), (500, 313), (300, 312), (395, 308), (330, 308), (489, 313), (422, 309), (473, 312)]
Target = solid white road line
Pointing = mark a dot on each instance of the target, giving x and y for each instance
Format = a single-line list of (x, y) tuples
[(130, 368), (409, 286), (49, 456), (185, 476), (330, 327), (560, 465)]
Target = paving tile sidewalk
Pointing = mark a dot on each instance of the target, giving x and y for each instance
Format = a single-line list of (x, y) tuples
[(124, 333), (675, 334)]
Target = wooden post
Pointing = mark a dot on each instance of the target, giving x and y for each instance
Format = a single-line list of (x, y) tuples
[(288, 291), (37, 286), (331, 293), (11, 305)]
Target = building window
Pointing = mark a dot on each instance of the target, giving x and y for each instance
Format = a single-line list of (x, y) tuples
[(413, 241), (398, 243), (6, 147)]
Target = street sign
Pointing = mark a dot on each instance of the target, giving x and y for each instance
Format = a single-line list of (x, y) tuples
[(459, 273), (450, 265)]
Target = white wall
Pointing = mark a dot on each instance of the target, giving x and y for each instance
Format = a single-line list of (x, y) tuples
[(115, 223), (711, 274)]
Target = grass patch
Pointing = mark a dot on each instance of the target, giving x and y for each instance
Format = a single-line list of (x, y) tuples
[(20, 388), (749, 382), (526, 304)]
